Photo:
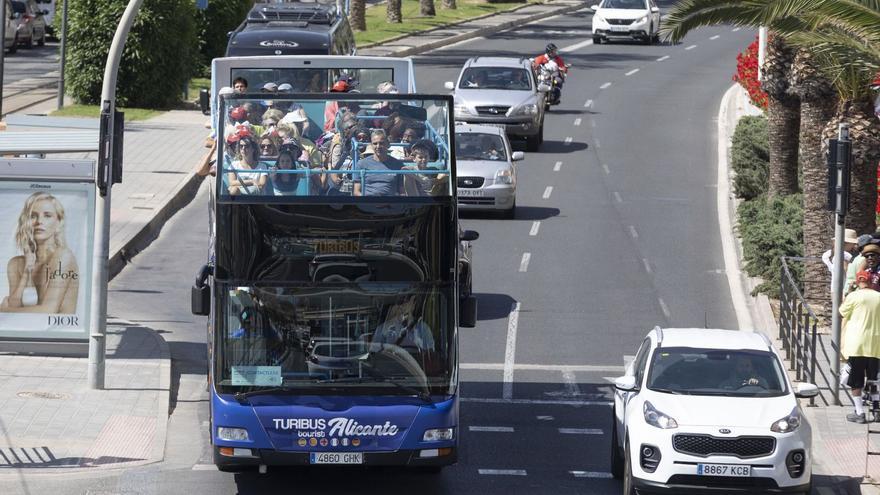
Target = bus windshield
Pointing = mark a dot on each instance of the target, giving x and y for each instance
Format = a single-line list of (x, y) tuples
[(336, 144), (339, 339)]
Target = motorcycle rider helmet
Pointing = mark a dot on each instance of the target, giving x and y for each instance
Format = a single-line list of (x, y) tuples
[(550, 48)]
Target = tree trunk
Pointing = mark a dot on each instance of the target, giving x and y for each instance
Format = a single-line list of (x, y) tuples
[(426, 8), (392, 12), (783, 122), (449, 4), (864, 133), (357, 16)]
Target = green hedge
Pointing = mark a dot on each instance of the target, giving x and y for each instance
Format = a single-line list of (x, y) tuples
[(770, 229), (214, 24), (750, 157), (159, 55)]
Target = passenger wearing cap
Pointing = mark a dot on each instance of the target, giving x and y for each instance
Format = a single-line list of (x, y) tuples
[(289, 129), (860, 342), (849, 243), (849, 284), (345, 84)]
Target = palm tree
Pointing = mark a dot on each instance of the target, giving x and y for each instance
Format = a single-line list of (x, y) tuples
[(392, 12), (426, 8), (358, 15), (783, 118)]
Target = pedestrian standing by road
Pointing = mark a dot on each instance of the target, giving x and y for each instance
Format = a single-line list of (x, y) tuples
[(849, 243), (861, 339), (853, 267)]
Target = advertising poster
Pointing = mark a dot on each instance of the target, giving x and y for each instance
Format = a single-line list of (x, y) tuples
[(45, 259)]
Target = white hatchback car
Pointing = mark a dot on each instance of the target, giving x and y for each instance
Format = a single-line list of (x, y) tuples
[(709, 410), (627, 20), (486, 169)]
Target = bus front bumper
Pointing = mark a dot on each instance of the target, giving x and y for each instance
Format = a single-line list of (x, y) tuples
[(270, 457)]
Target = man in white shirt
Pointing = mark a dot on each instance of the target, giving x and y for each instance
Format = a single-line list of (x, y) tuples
[(849, 243)]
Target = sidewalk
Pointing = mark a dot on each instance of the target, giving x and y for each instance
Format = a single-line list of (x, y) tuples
[(49, 419), (839, 447)]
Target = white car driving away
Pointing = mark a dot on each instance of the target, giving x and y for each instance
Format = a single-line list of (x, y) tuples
[(626, 20), (709, 410)]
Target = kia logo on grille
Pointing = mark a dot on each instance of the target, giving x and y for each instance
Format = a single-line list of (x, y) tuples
[(494, 110), (468, 182), (724, 431)]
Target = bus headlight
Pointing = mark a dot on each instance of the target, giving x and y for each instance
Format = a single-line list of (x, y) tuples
[(233, 434), (439, 435)]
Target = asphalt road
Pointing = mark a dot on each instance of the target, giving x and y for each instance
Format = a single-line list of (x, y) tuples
[(617, 216)]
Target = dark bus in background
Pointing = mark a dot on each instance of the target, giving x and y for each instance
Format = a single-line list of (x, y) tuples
[(292, 28)]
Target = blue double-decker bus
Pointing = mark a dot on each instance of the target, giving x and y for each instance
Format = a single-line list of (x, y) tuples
[(332, 283)]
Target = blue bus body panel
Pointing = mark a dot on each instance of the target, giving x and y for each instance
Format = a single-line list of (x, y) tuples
[(338, 423)]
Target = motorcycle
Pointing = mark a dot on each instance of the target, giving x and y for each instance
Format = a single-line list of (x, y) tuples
[(550, 78)]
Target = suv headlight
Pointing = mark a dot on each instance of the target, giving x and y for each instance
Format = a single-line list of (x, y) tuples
[(504, 176), (787, 424), (462, 109), (527, 109), (658, 419)]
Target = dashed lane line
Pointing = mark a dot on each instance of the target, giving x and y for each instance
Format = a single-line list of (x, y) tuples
[(735, 30), (715, 37), (590, 474), (491, 429), (631, 72), (510, 350), (535, 226), (524, 262), (663, 307), (646, 264), (691, 47), (664, 57), (204, 467), (617, 198), (557, 166), (503, 472), (577, 121), (588, 104), (544, 418), (568, 140), (606, 169), (633, 232), (581, 431), (576, 46), (604, 86), (547, 192)]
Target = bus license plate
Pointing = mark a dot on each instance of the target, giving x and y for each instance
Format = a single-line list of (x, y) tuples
[(724, 470), (337, 458)]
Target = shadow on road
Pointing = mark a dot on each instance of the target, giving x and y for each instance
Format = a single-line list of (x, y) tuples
[(493, 306)]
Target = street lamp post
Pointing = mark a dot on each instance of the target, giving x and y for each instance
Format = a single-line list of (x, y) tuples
[(63, 55), (101, 249), (840, 181)]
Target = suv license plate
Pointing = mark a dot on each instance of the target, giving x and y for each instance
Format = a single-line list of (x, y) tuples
[(724, 470), (336, 458)]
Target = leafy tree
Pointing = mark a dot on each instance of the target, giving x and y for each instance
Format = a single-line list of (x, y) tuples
[(214, 25)]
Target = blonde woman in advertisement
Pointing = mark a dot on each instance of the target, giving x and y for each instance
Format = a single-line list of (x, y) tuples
[(45, 277)]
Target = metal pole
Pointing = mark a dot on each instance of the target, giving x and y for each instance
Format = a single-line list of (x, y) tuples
[(762, 48), (3, 15), (837, 262), (63, 55), (101, 249)]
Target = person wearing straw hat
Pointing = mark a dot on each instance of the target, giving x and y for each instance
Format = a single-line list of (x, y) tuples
[(849, 284), (849, 243), (860, 343)]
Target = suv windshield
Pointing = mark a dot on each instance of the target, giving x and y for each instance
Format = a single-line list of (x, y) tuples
[(739, 373), (624, 4), (509, 78), (478, 146)]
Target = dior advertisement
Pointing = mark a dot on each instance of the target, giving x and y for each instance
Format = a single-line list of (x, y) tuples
[(45, 255)]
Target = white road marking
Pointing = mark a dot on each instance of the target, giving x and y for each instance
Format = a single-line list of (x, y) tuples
[(647, 265), (617, 197), (204, 467), (491, 429), (606, 169), (571, 386), (691, 47), (544, 418), (597, 143), (524, 263), (503, 472), (715, 37), (557, 166), (588, 104), (664, 57), (735, 30), (604, 86), (577, 121), (536, 402), (535, 226), (568, 140), (580, 431), (631, 72), (510, 351), (590, 474), (633, 232), (548, 192), (583, 368), (663, 307), (576, 46)]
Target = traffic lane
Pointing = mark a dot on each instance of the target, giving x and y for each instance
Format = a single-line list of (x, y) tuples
[(40, 63), (666, 185)]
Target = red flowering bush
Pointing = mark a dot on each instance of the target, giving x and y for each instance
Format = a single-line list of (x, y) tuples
[(747, 75)]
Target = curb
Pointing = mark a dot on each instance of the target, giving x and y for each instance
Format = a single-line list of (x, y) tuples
[(163, 404), (415, 50)]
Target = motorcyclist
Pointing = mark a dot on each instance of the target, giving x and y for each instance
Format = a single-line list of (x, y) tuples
[(551, 53)]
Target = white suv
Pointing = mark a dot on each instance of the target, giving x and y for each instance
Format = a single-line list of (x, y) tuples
[(709, 409)]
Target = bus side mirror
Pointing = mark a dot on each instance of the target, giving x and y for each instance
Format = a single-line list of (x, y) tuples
[(470, 235), (467, 312), (200, 292), (205, 101)]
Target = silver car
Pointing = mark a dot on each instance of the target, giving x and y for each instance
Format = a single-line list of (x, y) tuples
[(503, 91), (486, 169)]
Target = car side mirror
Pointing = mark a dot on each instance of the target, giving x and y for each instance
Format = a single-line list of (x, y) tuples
[(471, 235), (594, 8), (205, 101), (655, 9), (626, 383), (467, 312), (806, 390), (449, 85), (517, 156), (200, 293)]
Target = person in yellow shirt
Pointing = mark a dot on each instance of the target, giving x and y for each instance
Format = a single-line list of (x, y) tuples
[(861, 340)]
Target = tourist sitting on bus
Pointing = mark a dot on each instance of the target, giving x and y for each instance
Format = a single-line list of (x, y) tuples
[(296, 114), (341, 155), (269, 144), (345, 84), (378, 184), (239, 180), (422, 152), (287, 184), (410, 134), (271, 118), (291, 126)]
